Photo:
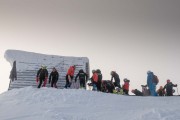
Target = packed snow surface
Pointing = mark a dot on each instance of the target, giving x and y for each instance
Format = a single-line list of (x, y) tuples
[(77, 104)]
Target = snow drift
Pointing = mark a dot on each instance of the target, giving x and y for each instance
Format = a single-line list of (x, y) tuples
[(71, 104)]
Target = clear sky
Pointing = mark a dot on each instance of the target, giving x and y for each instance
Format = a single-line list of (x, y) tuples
[(128, 36)]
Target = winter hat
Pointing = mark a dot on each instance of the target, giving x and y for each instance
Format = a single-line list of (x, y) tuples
[(148, 71), (126, 80), (93, 71), (43, 66)]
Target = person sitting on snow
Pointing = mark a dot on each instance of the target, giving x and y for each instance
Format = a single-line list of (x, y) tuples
[(161, 91), (145, 90), (137, 92)]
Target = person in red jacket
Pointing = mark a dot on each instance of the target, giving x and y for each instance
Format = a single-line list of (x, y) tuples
[(126, 86), (94, 80), (69, 76)]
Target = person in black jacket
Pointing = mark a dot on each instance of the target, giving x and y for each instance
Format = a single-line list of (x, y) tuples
[(137, 92), (99, 82), (53, 78), (42, 76), (116, 78), (82, 78), (169, 88)]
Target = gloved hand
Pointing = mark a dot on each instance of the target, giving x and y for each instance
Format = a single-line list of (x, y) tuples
[(37, 79)]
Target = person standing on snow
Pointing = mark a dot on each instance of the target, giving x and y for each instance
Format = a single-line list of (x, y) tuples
[(150, 83), (98, 71), (53, 77), (82, 78), (42, 76), (115, 76), (169, 88), (94, 80), (126, 86), (69, 76)]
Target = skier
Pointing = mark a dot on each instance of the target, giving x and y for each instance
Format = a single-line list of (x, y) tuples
[(42, 76), (126, 86), (161, 91), (169, 88), (115, 76), (69, 76), (82, 77), (150, 83), (98, 71), (53, 77)]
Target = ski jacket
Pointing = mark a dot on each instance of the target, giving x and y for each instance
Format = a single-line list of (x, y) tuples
[(138, 93), (161, 92), (71, 71), (42, 73), (150, 78), (115, 76), (169, 88), (95, 77), (99, 77), (82, 75), (126, 86), (53, 75)]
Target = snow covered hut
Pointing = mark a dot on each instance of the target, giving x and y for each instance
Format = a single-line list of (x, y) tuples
[(26, 64)]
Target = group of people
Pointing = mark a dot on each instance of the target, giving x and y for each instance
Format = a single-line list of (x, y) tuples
[(110, 86), (42, 77), (152, 81)]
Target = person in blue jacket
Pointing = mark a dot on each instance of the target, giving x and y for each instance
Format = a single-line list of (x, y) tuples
[(151, 85)]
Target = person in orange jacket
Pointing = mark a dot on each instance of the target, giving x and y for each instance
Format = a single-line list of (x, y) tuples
[(126, 86), (42, 76), (94, 80), (69, 76)]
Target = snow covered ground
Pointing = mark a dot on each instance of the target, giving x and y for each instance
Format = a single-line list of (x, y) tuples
[(76, 104)]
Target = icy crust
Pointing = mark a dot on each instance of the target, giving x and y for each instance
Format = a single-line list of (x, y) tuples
[(30, 61), (71, 104)]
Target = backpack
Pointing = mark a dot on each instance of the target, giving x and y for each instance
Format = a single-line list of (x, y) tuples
[(155, 79)]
